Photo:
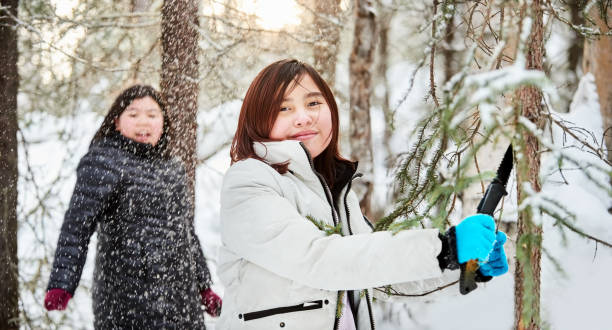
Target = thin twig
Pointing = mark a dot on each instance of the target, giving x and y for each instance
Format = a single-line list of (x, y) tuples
[(392, 292)]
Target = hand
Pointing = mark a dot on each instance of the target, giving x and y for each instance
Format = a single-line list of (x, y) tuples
[(57, 299), (212, 302), (475, 236), (497, 264)]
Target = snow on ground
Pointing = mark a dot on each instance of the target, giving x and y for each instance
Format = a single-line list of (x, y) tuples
[(577, 300), (580, 299)]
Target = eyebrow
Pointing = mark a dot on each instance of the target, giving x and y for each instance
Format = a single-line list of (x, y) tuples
[(147, 110), (311, 94)]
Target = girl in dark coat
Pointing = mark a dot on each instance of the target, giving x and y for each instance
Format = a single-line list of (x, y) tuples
[(150, 272)]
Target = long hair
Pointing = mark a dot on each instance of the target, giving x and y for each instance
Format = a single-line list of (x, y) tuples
[(123, 101), (261, 106)]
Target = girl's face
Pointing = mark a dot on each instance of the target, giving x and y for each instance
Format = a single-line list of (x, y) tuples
[(305, 116), (142, 121)]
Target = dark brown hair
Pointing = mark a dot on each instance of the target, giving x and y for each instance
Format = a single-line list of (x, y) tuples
[(261, 106), (123, 101)]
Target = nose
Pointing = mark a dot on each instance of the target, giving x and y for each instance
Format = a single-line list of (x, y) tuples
[(302, 118), (142, 121)]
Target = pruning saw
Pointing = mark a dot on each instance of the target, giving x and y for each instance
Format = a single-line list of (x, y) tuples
[(494, 193)]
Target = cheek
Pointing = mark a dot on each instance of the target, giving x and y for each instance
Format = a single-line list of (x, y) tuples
[(159, 126), (278, 131), (123, 124), (325, 123)]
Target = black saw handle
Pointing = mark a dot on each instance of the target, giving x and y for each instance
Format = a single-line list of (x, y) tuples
[(495, 191)]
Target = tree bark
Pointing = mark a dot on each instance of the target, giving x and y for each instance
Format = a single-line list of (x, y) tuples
[(529, 249), (360, 82), (179, 77), (597, 59), (9, 82), (326, 49), (448, 51), (384, 24), (574, 52)]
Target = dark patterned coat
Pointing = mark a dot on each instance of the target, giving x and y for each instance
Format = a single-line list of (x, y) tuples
[(149, 267)]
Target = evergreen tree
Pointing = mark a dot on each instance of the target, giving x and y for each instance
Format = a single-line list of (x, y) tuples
[(9, 82)]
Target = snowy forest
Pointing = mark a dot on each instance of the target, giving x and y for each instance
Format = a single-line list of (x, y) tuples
[(430, 95)]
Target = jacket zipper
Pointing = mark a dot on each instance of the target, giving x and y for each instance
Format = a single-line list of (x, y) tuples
[(346, 209), (372, 324), (326, 189), (348, 221), (336, 220)]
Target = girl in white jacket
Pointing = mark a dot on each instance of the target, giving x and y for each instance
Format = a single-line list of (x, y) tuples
[(297, 252)]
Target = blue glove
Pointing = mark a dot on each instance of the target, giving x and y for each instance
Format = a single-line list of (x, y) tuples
[(497, 263), (475, 236)]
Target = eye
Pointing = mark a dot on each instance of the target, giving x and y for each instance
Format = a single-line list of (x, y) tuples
[(282, 109), (314, 103)]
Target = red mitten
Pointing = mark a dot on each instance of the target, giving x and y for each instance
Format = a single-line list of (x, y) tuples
[(212, 302), (57, 299)]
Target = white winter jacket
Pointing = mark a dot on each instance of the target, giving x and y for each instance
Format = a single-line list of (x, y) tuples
[(280, 270)]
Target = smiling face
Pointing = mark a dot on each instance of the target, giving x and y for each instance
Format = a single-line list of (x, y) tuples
[(142, 121), (304, 116)]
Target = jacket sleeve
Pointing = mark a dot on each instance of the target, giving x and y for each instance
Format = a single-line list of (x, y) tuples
[(203, 276), (203, 273), (97, 180), (263, 227)]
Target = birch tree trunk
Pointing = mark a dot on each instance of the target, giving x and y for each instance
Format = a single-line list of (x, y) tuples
[(9, 81), (529, 234), (327, 48), (179, 77), (360, 82)]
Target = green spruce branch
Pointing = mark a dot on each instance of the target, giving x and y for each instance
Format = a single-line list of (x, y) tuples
[(323, 226)]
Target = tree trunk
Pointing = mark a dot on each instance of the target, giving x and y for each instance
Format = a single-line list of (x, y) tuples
[(529, 249), (327, 48), (448, 51), (9, 81), (179, 77), (574, 52), (384, 24), (597, 59), (360, 82)]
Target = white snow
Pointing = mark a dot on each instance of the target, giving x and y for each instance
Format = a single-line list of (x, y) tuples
[(575, 301)]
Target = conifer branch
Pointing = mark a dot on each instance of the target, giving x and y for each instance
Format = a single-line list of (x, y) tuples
[(390, 291)]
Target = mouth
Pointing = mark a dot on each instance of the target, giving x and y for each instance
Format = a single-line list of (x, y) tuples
[(304, 135), (142, 136)]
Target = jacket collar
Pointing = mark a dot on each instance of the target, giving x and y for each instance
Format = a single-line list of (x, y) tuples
[(291, 151), (116, 140), (300, 162)]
